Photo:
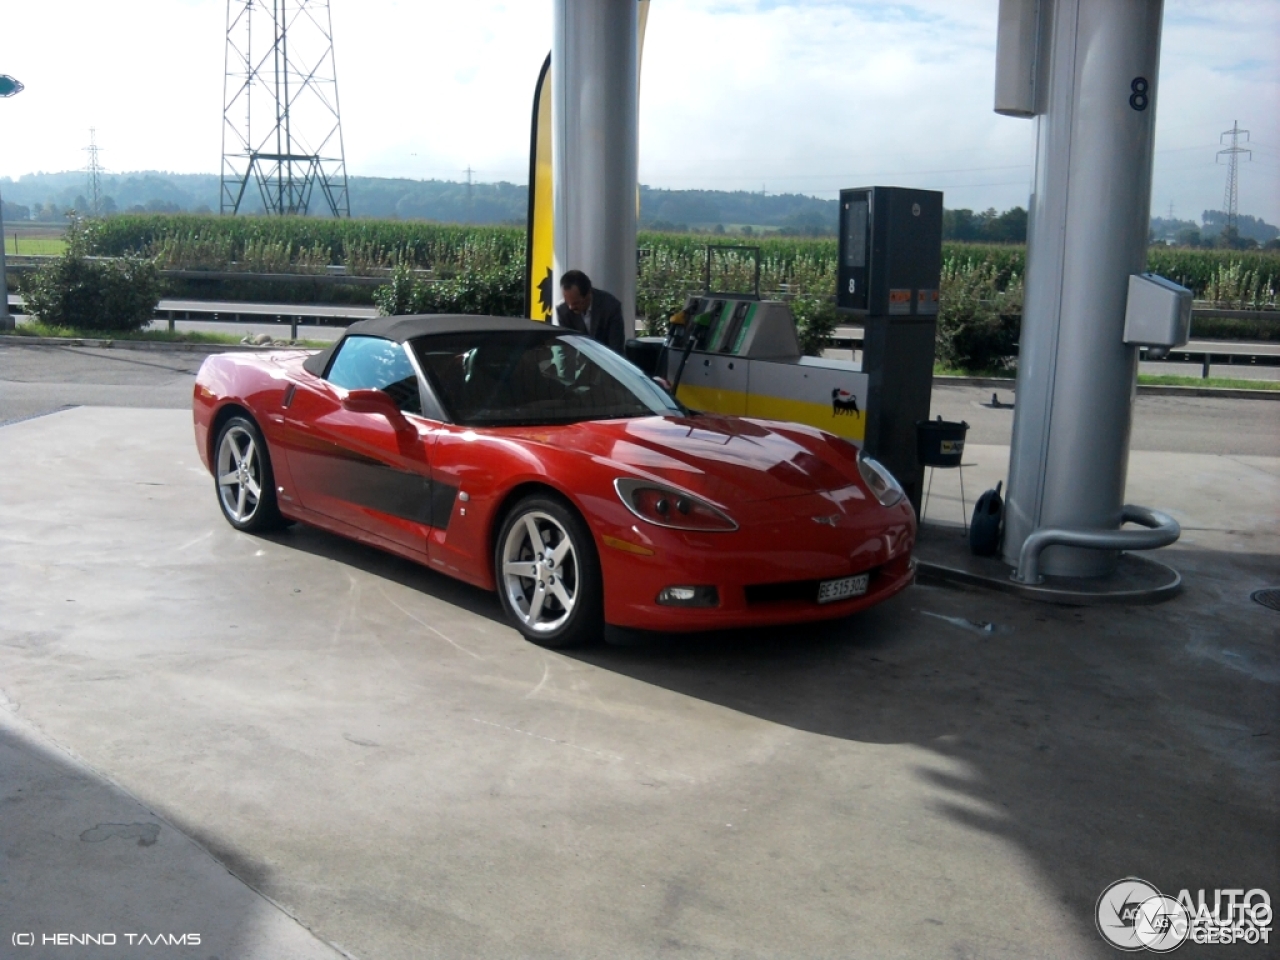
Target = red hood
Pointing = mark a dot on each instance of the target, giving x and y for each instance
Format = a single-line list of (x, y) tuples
[(726, 459)]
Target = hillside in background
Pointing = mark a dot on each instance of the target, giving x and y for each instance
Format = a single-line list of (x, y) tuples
[(47, 196)]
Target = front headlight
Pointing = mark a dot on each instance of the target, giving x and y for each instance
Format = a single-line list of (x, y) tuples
[(882, 483), (666, 506)]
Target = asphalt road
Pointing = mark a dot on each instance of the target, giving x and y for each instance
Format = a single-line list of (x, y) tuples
[(39, 379)]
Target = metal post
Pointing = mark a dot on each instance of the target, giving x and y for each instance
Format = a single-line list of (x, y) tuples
[(594, 136), (1088, 232), (6, 322)]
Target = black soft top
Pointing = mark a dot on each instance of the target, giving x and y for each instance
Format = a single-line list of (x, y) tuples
[(401, 329)]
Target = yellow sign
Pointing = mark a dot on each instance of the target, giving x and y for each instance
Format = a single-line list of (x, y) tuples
[(540, 250)]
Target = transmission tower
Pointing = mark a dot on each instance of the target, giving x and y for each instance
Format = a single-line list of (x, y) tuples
[(281, 128), (1229, 197), (94, 171), (470, 208)]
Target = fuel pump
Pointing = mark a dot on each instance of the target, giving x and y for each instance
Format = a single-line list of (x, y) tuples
[(888, 277)]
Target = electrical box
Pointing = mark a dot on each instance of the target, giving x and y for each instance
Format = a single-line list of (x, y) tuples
[(890, 255), (1158, 313)]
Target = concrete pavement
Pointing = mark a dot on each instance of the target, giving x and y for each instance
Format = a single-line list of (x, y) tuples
[(370, 747)]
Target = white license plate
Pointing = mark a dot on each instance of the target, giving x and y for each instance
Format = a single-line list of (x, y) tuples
[(844, 588)]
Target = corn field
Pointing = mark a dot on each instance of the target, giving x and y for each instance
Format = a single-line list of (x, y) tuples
[(670, 264), (475, 266)]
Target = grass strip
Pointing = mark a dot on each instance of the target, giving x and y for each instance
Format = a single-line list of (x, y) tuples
[(1226, 383), (1144, 379), (158, 336)]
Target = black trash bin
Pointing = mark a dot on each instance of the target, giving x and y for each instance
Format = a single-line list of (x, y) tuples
[(940, 443)]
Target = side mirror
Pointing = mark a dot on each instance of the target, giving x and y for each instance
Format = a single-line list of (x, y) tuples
[(372, 401)]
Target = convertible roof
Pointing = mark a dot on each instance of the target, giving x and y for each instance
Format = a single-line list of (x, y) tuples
[(401, 329)]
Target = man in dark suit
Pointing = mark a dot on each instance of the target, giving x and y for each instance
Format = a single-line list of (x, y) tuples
[(592, 311)]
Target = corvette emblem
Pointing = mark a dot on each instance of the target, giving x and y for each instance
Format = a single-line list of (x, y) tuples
[(830, 521)]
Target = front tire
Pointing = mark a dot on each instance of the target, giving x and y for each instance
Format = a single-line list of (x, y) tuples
[(243, 479), (548, 574)]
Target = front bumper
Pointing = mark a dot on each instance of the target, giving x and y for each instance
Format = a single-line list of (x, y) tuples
[(765, 574)]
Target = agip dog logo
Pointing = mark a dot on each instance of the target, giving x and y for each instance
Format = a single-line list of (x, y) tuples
[(844, 403)]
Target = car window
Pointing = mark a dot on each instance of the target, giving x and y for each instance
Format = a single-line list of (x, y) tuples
[(497, 378), (371, 363)]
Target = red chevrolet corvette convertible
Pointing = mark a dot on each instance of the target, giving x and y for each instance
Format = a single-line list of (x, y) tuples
[(520, 457)]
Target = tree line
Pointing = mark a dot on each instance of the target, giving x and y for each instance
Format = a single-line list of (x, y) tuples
[(47, 197)]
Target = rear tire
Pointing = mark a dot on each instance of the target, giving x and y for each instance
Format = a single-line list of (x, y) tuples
[(548, 574), (243, 480)]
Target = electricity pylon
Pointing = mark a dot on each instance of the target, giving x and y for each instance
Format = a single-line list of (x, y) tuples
[(95, 175), (281, 127), (1230, 196)]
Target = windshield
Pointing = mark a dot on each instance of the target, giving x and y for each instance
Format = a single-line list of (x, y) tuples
[(509, 378)]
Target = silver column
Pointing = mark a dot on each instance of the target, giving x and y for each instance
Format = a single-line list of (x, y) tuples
[(1088, 232), (594, 137), (6, 322)]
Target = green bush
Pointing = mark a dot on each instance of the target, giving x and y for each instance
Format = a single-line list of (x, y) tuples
[(1234, 328), (816, 321), (494, 292), (73, 291), (979, 315)]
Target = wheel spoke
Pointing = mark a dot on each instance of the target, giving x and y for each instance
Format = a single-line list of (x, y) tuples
[(535, 604), (229, 479), (240, 502), (515, 568), (254, 489), (535, 535), (563, 595), (562, 548), (249, 451), (235, 449)]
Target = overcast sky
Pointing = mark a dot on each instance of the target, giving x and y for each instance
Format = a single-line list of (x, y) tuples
[(805, 96)]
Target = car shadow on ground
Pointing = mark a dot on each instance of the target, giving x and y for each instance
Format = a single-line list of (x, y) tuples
[(1105, 742), (379, 563)]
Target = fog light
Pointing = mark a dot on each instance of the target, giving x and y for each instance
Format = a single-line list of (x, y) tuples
[(689, 597)]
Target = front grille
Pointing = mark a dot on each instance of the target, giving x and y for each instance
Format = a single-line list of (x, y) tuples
[(782, 592), (792, 591)]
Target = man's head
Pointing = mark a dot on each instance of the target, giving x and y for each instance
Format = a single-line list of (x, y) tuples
[(576, 287)]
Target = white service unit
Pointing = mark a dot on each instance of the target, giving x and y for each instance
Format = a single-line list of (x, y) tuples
[(1158, 313), (746, 361)]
